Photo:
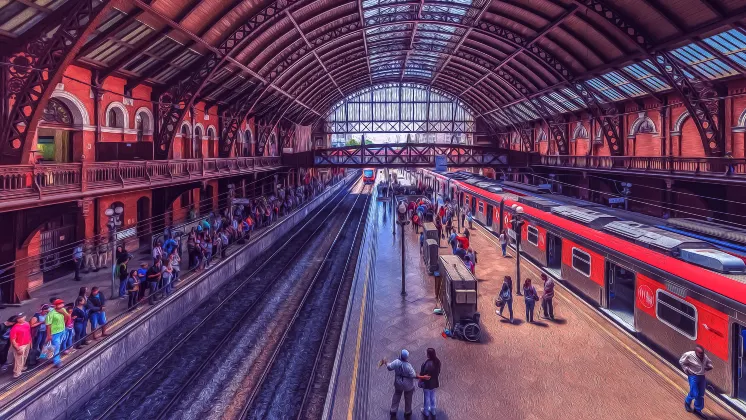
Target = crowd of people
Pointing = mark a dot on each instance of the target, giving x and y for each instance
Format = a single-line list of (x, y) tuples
[(59, 327)]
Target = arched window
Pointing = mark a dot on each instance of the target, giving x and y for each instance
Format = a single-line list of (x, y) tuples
[(210, 142), (197, 142), (139, 126), (114, 120)]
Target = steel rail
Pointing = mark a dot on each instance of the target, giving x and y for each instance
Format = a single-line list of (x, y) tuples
[(265, 372), (240, 287)]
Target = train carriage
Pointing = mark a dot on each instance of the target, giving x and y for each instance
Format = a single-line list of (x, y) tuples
[(670, 289)]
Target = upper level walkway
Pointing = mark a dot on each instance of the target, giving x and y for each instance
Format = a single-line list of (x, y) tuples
[(413, 154), (24, 186)]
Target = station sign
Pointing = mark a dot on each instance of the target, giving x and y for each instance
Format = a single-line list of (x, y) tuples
[(124, 234), (441, 163), (616, 200)]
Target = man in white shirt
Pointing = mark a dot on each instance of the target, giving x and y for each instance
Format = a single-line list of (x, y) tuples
[(504, 244), (695, 364)]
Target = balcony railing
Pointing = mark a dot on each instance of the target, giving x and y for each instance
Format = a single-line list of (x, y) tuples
[(411, 154), (24, 184), (722, 167)]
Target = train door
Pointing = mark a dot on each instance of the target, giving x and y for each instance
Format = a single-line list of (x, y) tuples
[(554, 253), (740, 353), (489, 216), (620, 293), (474, 206)]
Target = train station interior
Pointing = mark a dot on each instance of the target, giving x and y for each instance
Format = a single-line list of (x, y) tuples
[(372, 209)]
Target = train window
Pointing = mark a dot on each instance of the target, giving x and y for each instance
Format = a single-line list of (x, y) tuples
[(676, 313), (533, 235), (481, 206), (581, 261), (466, 197)]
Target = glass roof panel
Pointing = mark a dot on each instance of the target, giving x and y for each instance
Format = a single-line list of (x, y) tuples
[(573, 97), (703, 61), (605, 89), (526, 110), (643, 74), (731, 44), (622, 83), (569, 105), (553, 104)]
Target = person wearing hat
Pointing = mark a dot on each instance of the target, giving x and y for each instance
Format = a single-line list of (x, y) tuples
[(403, 383), (5, 340), (56, 322), (20, 340)]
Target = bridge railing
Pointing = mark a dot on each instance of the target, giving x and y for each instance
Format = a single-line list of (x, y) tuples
[(408, 154), (21, 184), (661, 164)]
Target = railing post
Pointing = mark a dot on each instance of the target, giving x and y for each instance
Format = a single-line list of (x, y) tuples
[(202, 162), (119, 172), (83, 176)]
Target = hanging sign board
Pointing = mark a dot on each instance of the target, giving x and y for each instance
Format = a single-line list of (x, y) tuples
[(441, 163)]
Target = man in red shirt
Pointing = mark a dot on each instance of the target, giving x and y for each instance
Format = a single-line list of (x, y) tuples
[(20, 340)]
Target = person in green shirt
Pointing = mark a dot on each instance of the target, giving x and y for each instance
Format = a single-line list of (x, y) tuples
[(56, 321)]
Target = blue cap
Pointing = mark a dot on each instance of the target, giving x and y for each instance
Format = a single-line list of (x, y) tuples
[(404, 355)]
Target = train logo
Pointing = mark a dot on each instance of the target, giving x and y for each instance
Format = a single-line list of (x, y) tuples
[(645, 296)]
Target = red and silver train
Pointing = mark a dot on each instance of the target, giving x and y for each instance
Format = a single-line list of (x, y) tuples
[(671, 289)]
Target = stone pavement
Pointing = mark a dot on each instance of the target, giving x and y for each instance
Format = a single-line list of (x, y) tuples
[(577, 367)]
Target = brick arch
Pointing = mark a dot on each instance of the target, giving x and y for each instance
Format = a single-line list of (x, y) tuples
[(640, 138), (679, 123), (77, 108), (124, 114)]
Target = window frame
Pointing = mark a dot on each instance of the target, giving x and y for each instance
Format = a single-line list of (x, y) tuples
[(675, 328), (528, 235), (590, 261), (480, 206)]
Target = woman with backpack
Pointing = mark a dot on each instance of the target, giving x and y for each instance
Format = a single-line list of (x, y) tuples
[(505, 297), (430, 368), (530, 297)]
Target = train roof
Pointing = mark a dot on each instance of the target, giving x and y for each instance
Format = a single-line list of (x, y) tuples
[(708, 228)]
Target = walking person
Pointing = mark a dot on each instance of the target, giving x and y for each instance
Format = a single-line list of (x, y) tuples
[(529, 297), (504, 243), (449, 225), (430, 368), (77, 261), (20, 341), (403, 383), (547, 305), (695, 364), (80, 317), (505, 297), (133, 288)]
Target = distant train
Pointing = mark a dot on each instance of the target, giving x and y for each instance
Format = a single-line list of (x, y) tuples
[(369, 176), (665, 281)]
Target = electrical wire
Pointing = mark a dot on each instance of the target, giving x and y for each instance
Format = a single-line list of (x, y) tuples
[(652, 204)]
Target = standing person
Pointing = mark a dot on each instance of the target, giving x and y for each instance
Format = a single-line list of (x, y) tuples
[(467, 234), (430, 368), (20, 341), (166, 276), (460, 251), (439, 228), (121, 254), (96, 306), (77, 260), (90, 256), (504, 243), (153, 277), (158, 251), (452, 241), (39, 327), (79, 316), (176, 265), (449, 225), (5, 328), (695, 364), (133, 288), (169, 246), (505, 297), (55, 321), (103, 253), (469, 264), (470, 218), (471, 253), (403, 383), (464, 210), (547, 306), (530, 297), (122, 274), (67, 341)]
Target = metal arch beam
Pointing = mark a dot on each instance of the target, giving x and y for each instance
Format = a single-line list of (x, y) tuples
[(698, 94), (33, 73), (236, 114), (365, 38), (179, 98), (316, 55), (539, 35), (606, 113), (490, 30), (411, 40)]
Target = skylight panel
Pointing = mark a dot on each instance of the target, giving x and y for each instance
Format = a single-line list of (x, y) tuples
[(703, 61), (643, 74), (620, 82), (605, 90), (567, 92), (730, 43), (569, 105), (555, 105), (529, 112)]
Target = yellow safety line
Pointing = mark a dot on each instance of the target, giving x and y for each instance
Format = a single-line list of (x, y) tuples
[(617, 339), (353, 386)]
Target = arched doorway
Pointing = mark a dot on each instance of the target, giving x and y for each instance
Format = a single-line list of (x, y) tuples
[(246, 145), (144, 224), (186, 142), (211, 142), (197, 143), (54, 140)]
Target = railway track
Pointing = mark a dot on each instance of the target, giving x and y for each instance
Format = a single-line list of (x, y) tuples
[(294, 382), (150, 386)]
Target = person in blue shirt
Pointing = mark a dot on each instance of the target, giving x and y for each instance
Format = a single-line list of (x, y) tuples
[(169, 246), (77, 261), (142, 272)]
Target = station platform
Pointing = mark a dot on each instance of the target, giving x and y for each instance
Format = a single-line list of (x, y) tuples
[(579, 366)]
